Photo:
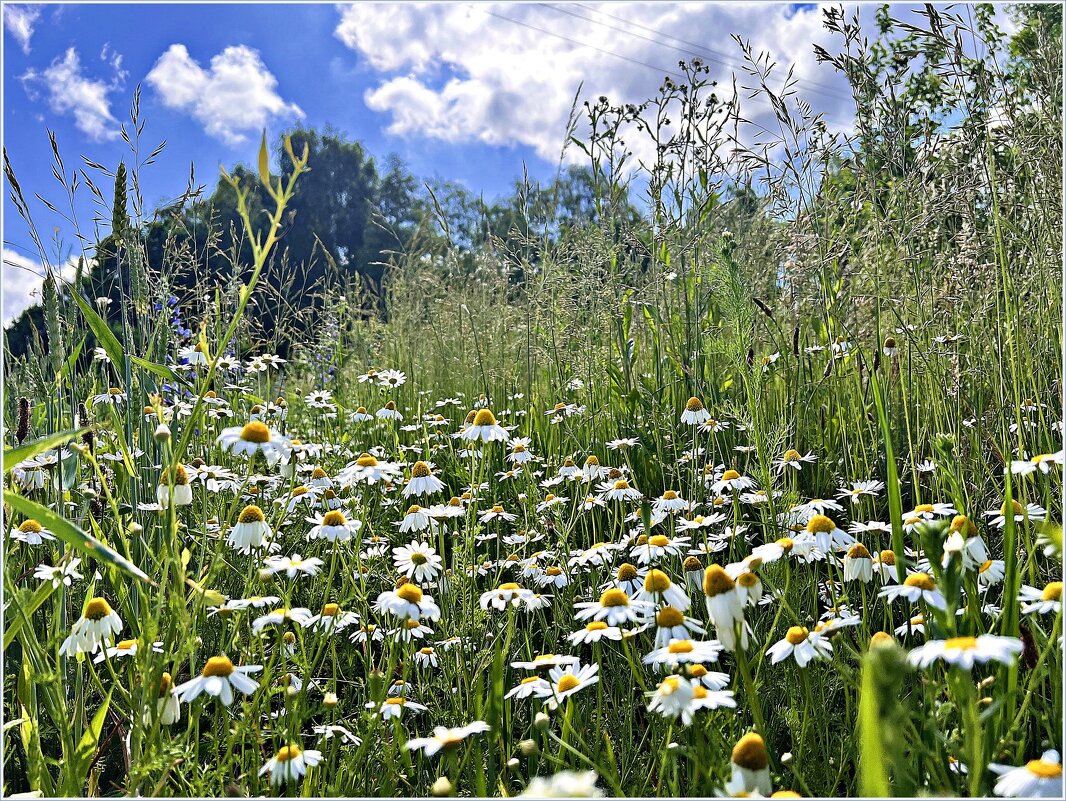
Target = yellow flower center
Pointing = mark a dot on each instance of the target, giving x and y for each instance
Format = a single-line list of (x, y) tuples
[(568, 682), (750, 752), (680, 647), (366, 460), (331, 610), (218, 666), (621, 484), (334, 518), (1052, 592), (554, 571), (669, 495), (1045, 770), (296, 493), (693, 405), (420, 470), (888, 557), (791, 455), (391, 406), (659, 541), (484, 418), (97, 609), (716, 581), (960, 643), (418, 558), (1016, 508), (126, 645), (591, 461), (858, 551), (256, 431), (747, 579), (796, 634), (964, 525), (251, 514), (614, 597), (414, 509), (288, 752), (923, 507), (511, 586), (668, 617), (657, 581), (820, 524), (921, 580), (410, 593), (426, 651), (627, 572), (785, 544), (596, 625), (30, 526), (730, 475)]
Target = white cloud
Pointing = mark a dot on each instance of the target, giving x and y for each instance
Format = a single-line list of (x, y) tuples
[(22, 280), (236, 95), (20, 21), (69, 91), (458, 73)]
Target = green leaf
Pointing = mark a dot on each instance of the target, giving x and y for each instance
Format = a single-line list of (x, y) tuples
[(12, 456), (104, 335), (895, 500), (264, 162), (28, 607), (30, 731), (70, 533), (68, 366), (83, 754), (160, 370), (873, 773)]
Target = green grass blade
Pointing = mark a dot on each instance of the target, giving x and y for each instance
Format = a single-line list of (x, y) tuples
[(73, 535), (12, 456)]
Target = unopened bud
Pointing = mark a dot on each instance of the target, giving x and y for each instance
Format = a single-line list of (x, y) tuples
[(441, 787), (541, 721), (162, 432), (528, 747)]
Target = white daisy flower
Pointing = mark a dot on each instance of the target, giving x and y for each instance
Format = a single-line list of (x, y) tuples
[(255, 437), (445, 738), (1038, 778), (290, 764), (963, 652), (96, 628), (219, 679)]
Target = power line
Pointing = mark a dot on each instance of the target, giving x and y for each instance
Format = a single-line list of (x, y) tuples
[(583, 44), (637, 62), (715, 55)]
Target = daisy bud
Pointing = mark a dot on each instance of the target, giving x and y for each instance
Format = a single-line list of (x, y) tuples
[(513, 763), (162, 432), (882, 639), (377, 684), (442, 787), (135, 529), (330, 700), (528, 747), (541, 721)]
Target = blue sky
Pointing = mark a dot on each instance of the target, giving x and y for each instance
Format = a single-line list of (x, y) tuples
[(467, 92)]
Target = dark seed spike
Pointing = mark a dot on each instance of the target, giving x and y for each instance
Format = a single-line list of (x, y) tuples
[(22, 428)]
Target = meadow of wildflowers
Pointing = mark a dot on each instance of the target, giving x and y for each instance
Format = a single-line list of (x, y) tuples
[(772, 507)]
